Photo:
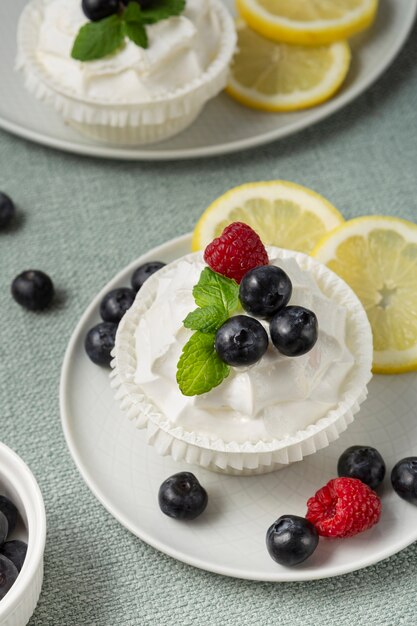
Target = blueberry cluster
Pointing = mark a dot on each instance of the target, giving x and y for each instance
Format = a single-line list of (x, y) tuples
[(96, 10), (99, 341), (264, 292), (12, 552)]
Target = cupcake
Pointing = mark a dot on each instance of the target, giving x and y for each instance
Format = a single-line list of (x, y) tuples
[(150, 87), (252, 413)]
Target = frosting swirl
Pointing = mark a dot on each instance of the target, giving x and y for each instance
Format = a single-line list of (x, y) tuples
[(272, 399), (180, 50)]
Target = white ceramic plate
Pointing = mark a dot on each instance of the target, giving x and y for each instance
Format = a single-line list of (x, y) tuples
[(124, 473), (224, 126)]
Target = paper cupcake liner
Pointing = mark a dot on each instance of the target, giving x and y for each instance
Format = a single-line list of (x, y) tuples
[(182, 104), (229, 456), (135, 135)]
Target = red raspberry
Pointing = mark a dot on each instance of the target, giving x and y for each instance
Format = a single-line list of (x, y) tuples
[(236, 251), (343, 508)]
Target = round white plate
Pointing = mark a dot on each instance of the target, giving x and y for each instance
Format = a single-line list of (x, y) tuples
[(224, 126), (124, 473)]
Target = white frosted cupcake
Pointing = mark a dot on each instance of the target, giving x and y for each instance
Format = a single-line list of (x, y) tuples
[(135, 95), (259, 417)]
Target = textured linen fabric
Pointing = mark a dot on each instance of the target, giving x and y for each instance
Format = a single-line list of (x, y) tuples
[(82, 220)]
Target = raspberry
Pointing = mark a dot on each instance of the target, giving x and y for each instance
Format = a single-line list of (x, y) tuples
[(237, 250), (343, 508)]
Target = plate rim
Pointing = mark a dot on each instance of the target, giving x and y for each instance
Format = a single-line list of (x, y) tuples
[(138, 154), (65, 418)]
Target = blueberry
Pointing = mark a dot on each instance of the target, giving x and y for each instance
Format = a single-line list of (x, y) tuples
[(99, 342), (10, 511), (33, 290), (15, 551), (8, 575), (291, 540), (143, 272), (96, 10), (404, 479), (241, 340), (7, 210), (4, 527), (182, 497), (362, 462), (265, 290), (115, 304), (294, 330)]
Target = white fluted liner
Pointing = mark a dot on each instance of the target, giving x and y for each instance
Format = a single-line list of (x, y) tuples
[(250, 457), (132, 123)]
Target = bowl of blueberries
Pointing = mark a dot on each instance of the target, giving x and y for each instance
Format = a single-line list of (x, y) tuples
[(22, 539)]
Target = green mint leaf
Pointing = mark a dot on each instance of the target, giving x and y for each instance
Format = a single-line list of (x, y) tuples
[(207, 319), (137, 33), (98, 39), (215, 290), (161, 10), (199, 367), (132, 13)]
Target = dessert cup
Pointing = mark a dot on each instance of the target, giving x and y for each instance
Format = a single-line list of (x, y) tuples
[(138, 119), (220, 450)]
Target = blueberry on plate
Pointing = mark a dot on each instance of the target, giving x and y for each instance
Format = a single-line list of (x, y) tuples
[(33, 290), (10, 511), (8, 575), (15, 551), (404, 479), (291, 540), (99, 342), (294, 330), (7, 210), (115, 304), (96, 10), (143, 272), (241, 340), (182, 497), (363, 462), (265, 290)]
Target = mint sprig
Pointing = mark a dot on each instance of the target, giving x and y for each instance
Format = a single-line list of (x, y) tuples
[(96, 40), (199, 367)]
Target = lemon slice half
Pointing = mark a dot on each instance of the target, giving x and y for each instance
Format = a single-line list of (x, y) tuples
[(308, 22), (282, 213), (280, 77), (377, 257)]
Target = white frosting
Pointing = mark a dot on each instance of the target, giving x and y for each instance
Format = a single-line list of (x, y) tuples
[(180, 50), (274, 398)]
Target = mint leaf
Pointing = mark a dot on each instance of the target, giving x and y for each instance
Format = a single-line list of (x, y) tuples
[(98, 39), (161, 10), (199, 367), (132, 13), (215, 290), (207, 319), (137, 33)]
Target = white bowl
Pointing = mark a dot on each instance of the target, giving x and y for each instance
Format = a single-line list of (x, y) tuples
[(18, 483)]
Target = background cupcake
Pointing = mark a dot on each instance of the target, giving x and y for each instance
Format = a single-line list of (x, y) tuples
[(139, 75)]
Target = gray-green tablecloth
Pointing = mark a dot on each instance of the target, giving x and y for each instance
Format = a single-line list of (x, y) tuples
[(82, 220)]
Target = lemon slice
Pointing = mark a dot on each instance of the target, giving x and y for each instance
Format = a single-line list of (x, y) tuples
[(280, 77), (282, 213), (377, 257), (308, 22)]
